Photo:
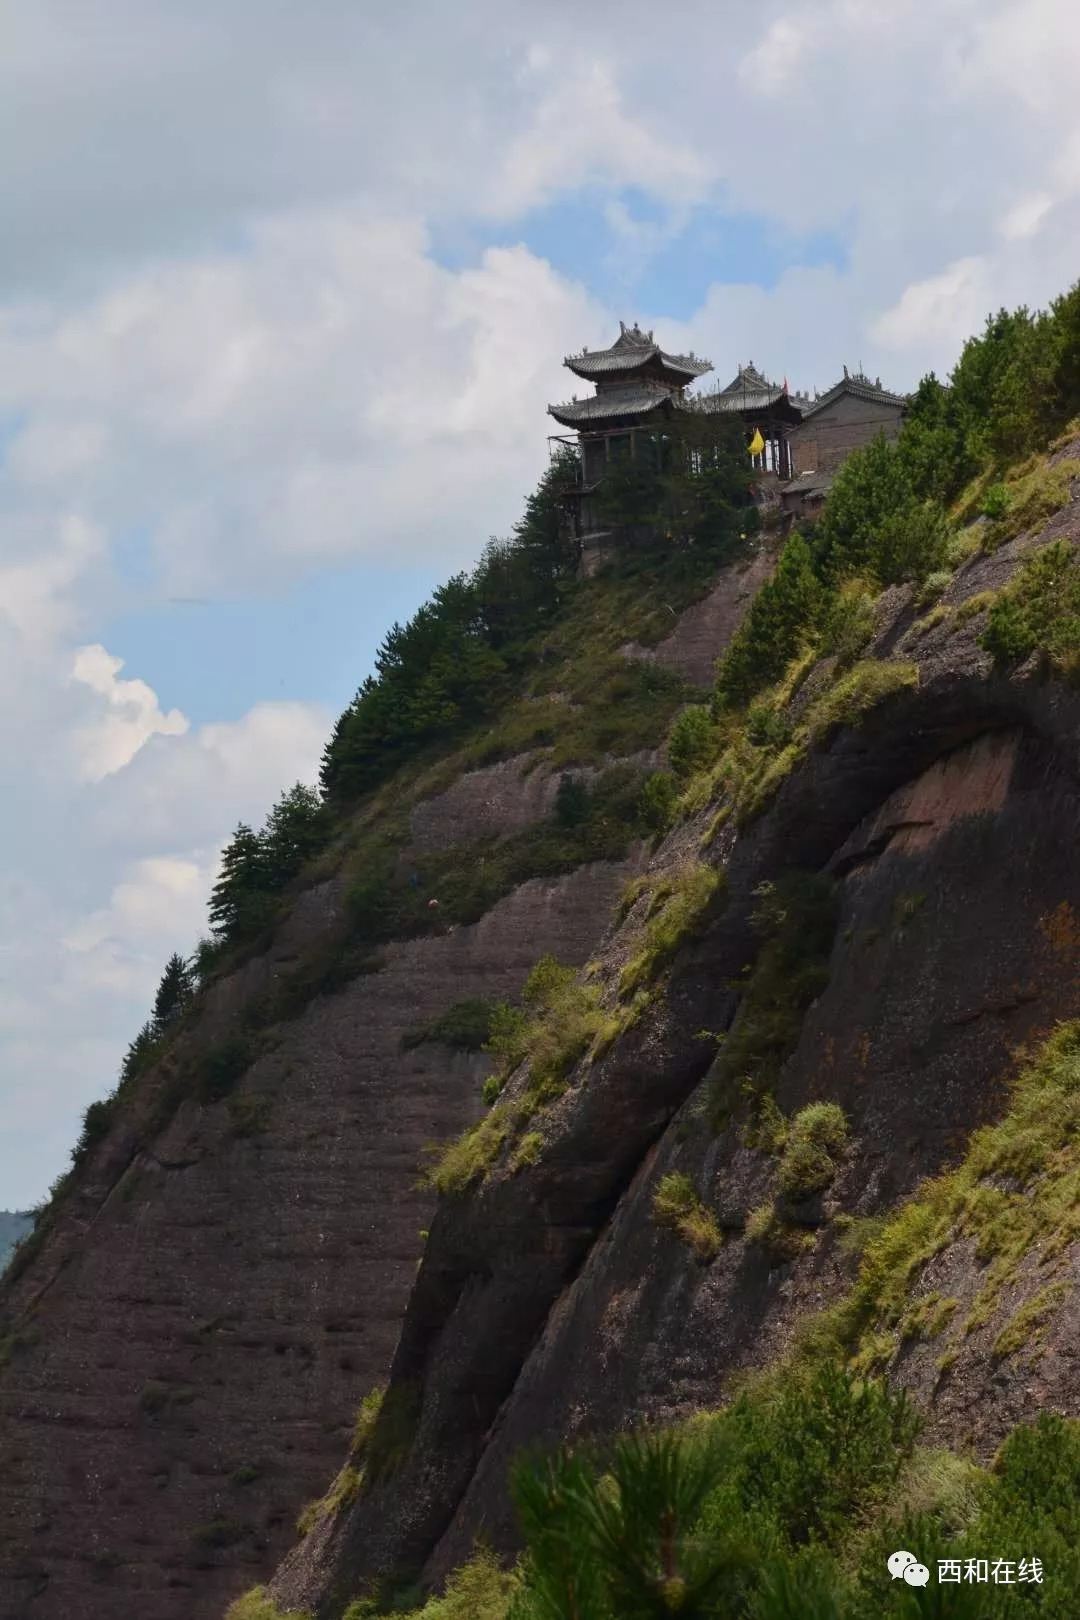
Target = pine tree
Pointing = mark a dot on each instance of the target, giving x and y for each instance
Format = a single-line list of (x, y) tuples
[(239, 898), (782, 616), (174, 993), (295, 830), (140, 1053)]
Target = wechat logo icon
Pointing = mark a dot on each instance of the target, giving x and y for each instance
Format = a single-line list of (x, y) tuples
[(905, 1566)]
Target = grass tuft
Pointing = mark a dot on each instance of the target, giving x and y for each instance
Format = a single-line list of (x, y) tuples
[(677, 1206)]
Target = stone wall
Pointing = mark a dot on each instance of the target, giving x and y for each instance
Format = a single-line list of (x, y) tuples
[(824, 442)]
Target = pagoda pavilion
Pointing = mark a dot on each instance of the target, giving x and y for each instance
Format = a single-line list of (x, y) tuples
[(640, 388), (638, 385), (764, 407)]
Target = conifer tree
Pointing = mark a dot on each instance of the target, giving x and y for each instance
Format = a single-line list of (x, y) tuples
[(295, 830), (238, 900), (174, 993), (140, 1052)]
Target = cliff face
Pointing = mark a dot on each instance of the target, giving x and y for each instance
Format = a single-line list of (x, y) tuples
[(552, 1304), (195, 1337), (184, 1355)]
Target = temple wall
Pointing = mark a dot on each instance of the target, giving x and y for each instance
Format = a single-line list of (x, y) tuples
[(829, 437)]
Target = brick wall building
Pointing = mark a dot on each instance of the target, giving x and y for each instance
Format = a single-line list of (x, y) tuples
[(847, 417)]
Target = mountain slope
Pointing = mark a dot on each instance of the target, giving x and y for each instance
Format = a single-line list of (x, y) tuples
[(226, 1271), (553, 1304)]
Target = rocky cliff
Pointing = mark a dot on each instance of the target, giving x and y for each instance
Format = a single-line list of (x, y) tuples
[(924, 805), (226, 1275), (861, 901)]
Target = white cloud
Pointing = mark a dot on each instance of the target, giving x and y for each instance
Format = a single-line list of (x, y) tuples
[(581, 133), (227, 341), (120, 946), (943, 308), (1025, 217), (267, 410), (131, 715)]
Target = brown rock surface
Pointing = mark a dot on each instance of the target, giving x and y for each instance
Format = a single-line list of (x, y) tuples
[(549, 1303), (704, 630), (201, 1329)]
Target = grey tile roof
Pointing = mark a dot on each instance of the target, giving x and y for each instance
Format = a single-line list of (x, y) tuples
[(748, 390), (632, 349), (749, 380), (752, 399), (614, 402), (814, 483), (859, 387)]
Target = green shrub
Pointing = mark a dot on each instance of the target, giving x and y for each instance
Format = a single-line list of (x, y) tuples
[(692, 743), (780, 1238), (562, 1020), (676, 1205), (815, 1137), (572, 801), (933, 587), (466, 1025), (219, 1068), (480, 1590), (659, 797), (528, 1150), (1025, 1145), (259, 1605), (909, 543), (1032, 498), (455, 1165), (995, 502), (768, 724), (782, 619), (344, 1489), (683, 905), (97, 1122), (1039, 609), (856, 693), (383, 903), (848, 621)]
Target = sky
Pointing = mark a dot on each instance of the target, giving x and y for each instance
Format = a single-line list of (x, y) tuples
[(285, 293)]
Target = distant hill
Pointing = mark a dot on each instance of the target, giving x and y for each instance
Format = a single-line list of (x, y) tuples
[(13, 1225)]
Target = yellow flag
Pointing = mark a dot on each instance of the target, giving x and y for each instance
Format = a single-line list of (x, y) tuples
[(757, 443)]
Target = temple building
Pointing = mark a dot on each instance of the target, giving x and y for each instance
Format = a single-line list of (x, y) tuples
[(845, 418), (765, 408), (639, 387)]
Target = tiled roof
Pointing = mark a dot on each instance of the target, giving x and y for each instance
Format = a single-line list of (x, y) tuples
[(748, 390), (859, 387), (749, 380), (615, 402), (631, 350), (753, 399), (814, 483)]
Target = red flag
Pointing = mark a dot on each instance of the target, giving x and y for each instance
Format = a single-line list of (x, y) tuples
[(784, 389)]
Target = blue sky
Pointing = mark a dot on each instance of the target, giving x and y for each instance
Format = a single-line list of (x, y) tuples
[(315, 639), (286, 295), (216, 657), (669, 269)]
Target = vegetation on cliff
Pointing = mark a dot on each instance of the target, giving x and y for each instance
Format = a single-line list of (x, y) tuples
[(785, 1503), (887, 517), (785, 1506)]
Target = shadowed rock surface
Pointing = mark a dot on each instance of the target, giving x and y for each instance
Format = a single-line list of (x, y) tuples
[(216, 1307), (550, 1305)]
